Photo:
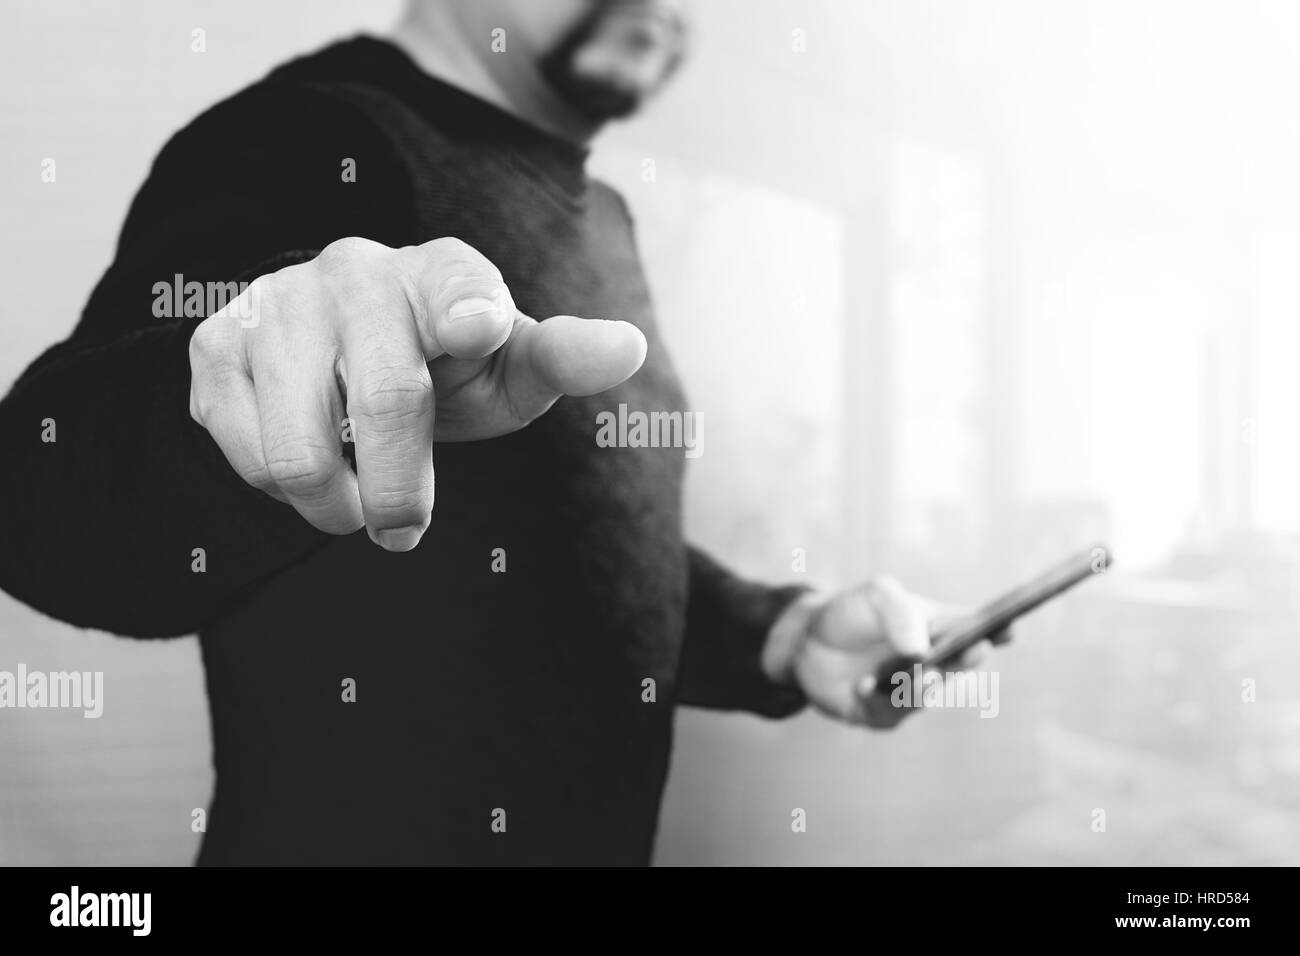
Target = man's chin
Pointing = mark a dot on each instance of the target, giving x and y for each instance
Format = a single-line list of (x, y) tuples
[(602, 73), (600, 100)]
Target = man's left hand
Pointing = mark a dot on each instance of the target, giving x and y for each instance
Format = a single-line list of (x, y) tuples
[(832, 646)]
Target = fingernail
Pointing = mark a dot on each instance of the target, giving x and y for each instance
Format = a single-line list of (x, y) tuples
[(866, 686), (468, 308), (397, 539)]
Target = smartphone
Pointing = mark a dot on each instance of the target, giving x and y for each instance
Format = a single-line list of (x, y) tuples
[(955, 639)]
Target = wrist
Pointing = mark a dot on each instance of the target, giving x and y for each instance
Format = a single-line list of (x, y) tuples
[(786, 636)]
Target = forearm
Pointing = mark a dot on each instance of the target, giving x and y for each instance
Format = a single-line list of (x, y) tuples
[(121, 514), (728, 624)]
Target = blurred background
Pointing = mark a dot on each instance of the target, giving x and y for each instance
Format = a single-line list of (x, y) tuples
[(959, 287)]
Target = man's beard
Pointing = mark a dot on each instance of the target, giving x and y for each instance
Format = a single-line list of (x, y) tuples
[(599, 98)]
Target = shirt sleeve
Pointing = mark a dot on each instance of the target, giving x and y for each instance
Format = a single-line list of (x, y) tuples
[(121, 512), (727, 623)]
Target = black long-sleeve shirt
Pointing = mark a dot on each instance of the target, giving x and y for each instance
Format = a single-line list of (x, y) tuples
[(476, 690)]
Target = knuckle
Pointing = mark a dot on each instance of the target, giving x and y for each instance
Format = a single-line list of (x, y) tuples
[(265, 287), (281, 283), (342, 255), (392, 394), (203, 405), (304, 469), (449, 247), (456, 255), (207, 390), (462, 285), (203, 344), (263, 299)]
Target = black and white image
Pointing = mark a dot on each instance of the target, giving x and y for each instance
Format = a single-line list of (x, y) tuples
[(687, 433)]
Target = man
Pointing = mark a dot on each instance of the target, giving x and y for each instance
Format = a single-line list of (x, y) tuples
[(490, 678)]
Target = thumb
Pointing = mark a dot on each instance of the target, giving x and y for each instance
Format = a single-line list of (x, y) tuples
[(566, 355), (904, 617)]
